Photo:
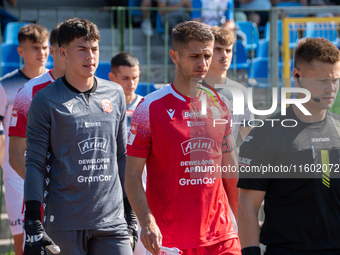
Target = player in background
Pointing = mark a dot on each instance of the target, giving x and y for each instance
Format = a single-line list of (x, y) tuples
[(217, 74), (183, 208), (22, 101), (302, 214), (125, 71), (78, 122), (33, 48)]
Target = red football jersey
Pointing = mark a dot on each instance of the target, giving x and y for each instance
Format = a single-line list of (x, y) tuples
[(22, 102), (171, 131)]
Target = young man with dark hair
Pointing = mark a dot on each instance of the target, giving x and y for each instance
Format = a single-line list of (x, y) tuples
[(33, 48), (302, 209), (125, 71), (22, 101), (181, 207), (78, 124)]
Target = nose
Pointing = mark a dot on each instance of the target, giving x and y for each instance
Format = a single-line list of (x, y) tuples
[(332, 86), (202, 62), (90, 54)]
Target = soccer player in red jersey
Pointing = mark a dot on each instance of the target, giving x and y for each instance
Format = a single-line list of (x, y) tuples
[(22, 101), (173, 131)]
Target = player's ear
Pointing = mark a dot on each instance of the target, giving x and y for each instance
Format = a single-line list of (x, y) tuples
[(174, 56), (52, 51), (62, 52), (111, 76), (20, 51)]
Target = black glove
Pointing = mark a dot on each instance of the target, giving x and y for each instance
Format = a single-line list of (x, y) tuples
[(252, 250), (131, 220), (37, 239)]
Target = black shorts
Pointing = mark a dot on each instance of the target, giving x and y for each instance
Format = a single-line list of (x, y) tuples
[(274, 250)]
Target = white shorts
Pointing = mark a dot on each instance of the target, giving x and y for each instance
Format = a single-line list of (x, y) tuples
[(14, 197)]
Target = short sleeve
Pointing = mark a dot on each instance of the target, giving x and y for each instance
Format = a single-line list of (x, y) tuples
[(19, 114), (139, 138)]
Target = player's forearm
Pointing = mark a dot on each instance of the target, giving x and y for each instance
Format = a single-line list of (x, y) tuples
[(248, 225), (136, 195), (17, 161), (232, 193)]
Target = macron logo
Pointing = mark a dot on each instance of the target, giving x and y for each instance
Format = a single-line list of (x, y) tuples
[(171, 113)]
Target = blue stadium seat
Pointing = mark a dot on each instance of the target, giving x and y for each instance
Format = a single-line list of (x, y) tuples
[(49, 62), (293, 34), (103, 70), (241, 54), (262, 48), (291, 5), (259, 76), (159, 26), (325, 30), (11, 32), (251, 31), (9, 53), (8, 67), (142, 88)]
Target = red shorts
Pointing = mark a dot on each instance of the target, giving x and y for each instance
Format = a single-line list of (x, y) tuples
[(227, 247)]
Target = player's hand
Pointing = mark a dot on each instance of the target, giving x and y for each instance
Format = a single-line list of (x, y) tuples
[(37, 240), (151, 237)]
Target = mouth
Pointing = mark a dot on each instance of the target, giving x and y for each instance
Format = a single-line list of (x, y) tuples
[(224, 62), (200, 71), (89, 66), (328, 98)]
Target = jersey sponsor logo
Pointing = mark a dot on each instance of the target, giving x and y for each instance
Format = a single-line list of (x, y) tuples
[(132, 134), (248, 138), (107, 106), (200, 181), (14, 118), (198, 144), (195, 124), (321, 139), (129, 112), (69, 107), (243, 160), (91, 144), (189, 114), (171, 113), (92, 124)]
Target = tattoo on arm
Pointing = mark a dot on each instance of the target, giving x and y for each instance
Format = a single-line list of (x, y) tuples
[(228, 143)]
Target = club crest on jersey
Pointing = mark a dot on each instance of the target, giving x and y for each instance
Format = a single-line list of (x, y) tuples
[(198, 144), (92, 144), (107, 105)]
